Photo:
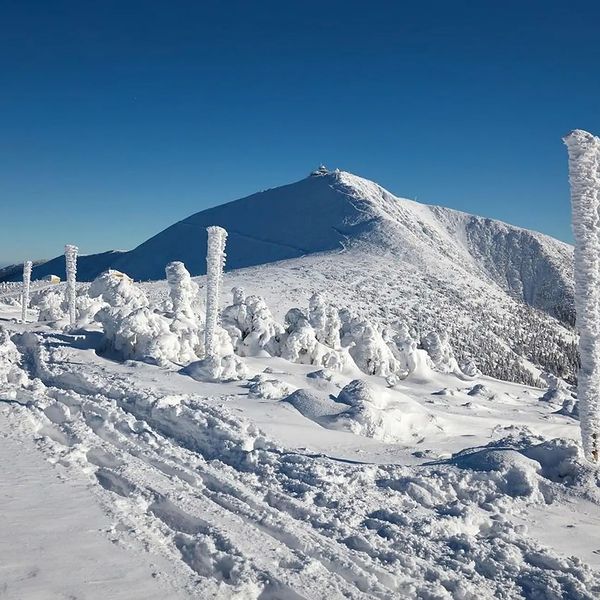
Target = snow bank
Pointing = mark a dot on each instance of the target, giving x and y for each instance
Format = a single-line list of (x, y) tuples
[(10, 361)]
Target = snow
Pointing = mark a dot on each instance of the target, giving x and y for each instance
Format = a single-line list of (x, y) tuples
[(338, 441), (295, 481)]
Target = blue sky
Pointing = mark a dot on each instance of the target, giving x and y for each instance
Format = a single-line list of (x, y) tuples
[(118, 118)]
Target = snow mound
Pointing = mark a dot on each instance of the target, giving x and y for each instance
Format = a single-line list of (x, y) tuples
[(524, 468), (314, 406), (261, 386)]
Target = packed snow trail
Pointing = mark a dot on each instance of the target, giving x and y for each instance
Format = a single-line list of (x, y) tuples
[(237, 515)]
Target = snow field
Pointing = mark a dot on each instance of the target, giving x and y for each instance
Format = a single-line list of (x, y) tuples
[(283, 510)]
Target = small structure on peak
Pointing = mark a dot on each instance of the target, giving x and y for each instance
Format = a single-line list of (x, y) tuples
[(322, 170)]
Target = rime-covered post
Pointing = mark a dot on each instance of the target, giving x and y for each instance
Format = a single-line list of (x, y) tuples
[(71, 270), (584, 176), (215, 261), (26, 282)]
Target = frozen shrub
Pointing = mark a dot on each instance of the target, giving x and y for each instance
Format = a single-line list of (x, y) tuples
[(141, 334), (363, 415), (468, 368), (131, 329), (325, 320), (184, 324), (441, 353), (183, 292), (50, 307), (251, 325), (300, 344), (404, 349), (10, 361), (117, 289), (370, 352), (87, 308)]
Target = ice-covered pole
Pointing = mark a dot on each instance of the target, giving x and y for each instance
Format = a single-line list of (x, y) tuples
[(26, 282), (215, 261), (71, 269), (584, 177)]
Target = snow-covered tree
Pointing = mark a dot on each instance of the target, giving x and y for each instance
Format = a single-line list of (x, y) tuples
[(584, 176), (300, 344), (10, 361), (50, 307), (215, 261), (370, 352), (403, 347), (131, 329), (325, 320), (71, 270), (182, 289), (184, 323), (26, 284), (251, 325), (440, 351)]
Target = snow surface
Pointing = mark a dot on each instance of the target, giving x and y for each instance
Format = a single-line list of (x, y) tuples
[(296, 482)]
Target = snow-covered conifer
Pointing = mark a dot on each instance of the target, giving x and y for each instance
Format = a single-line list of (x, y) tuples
[(215, 261), (26, 284), (251, 325), (440, 351), (300, 344), (325, 320), (185, 323), (370, 352), (584, 176), (182, 289)]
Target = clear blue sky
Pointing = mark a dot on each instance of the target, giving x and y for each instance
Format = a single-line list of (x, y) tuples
[(118, 118)]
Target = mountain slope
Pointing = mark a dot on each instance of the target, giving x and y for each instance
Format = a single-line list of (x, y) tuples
[(504, 293), (333, 210)]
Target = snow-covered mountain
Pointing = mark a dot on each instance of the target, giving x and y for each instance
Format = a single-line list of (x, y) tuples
[(503, 292), (330, 211)]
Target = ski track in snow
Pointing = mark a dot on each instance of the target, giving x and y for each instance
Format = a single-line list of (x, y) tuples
[(237, 514)]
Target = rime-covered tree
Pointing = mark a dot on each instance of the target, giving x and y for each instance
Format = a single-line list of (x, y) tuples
[(325, 320), (584, 176), (251, 325), (184, 321)]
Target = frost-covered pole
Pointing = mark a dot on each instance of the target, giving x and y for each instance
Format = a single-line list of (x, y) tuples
[(71, 269), (215, 261), (584, 176), (26, 282)]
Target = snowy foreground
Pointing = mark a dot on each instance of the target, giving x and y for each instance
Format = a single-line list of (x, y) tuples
[(131, 480)]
